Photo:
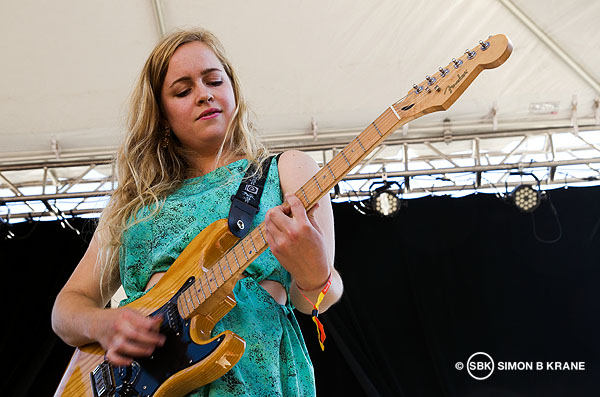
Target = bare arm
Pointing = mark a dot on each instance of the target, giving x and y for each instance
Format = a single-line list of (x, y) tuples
[(303, 242), (79, 316)]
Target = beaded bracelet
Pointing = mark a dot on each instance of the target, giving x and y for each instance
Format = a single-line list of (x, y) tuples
[(315, 312)]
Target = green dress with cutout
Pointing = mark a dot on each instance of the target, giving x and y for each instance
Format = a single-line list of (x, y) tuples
[(276, 361)]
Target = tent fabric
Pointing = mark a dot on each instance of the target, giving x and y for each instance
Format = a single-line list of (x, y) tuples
[(69, 66)]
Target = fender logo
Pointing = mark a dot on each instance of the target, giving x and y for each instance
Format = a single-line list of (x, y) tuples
[(458, 80)]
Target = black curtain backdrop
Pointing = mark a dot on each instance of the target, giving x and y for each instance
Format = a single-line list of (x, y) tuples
[(424, 291)]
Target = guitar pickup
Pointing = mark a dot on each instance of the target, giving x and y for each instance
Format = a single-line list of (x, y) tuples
[(171, 320), (103, 381)]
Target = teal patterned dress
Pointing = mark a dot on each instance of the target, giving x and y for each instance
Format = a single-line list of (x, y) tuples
[(276, 361)]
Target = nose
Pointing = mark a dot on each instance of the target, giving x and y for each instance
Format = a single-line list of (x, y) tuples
[(204, 96)]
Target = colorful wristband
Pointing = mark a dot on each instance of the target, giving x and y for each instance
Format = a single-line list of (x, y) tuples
[(315, 312)]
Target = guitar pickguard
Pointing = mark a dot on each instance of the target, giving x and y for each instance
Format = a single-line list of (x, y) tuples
[(145, 375)]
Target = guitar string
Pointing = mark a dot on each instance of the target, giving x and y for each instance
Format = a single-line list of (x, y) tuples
[(310, 190), (313, 190), (419, 99), (204, 279)]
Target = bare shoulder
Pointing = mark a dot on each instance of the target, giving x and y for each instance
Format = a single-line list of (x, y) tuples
[(295, 168)]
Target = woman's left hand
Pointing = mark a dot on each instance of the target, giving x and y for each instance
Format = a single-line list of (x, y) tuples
[(297, 241)]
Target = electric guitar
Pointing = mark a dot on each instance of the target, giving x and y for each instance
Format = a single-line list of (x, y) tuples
[(197, 290)]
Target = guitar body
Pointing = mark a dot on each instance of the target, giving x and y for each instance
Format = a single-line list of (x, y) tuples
[(190, 357)]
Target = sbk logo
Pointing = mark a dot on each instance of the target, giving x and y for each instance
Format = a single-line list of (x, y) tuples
[(480, 366)]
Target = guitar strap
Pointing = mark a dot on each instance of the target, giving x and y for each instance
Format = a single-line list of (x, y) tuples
[(244, 204)]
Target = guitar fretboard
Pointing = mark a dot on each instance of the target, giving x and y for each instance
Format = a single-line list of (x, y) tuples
[(239, 257)]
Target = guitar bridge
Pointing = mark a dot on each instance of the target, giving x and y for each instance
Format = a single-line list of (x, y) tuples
[(103, 381)]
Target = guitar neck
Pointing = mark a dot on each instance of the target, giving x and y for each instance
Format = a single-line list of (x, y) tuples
[(436, 93), (349, 157), (244, 252)]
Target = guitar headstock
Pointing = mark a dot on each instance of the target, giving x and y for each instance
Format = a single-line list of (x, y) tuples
[(441, 89)]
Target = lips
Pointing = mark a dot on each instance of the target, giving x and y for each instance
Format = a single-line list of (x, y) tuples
[(209, 114)]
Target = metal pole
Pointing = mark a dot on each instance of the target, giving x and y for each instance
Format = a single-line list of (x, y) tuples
[(550, 43), (160, 19)]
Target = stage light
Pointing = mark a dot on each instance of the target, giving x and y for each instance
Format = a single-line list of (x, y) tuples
[(385, 203), (526, 198)]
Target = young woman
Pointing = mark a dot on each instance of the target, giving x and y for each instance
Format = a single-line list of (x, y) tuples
[(189, 144)]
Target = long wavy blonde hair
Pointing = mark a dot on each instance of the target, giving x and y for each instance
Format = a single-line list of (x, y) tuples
[(147, 171)]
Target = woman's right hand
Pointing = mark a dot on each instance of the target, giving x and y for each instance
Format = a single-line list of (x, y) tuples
[(79, 316), (126, 334)]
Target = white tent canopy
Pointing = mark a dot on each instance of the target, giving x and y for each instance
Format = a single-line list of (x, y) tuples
[(68, 66), (307, 67)]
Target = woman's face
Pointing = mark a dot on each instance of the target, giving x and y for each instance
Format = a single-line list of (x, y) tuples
[(198, 98)]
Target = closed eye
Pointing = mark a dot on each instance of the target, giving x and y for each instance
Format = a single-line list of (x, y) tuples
[(183, 93)]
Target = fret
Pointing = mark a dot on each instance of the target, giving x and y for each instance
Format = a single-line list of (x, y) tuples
[(199, 281), (229, 267), (252, 241), (185, 302), (197, 297), (353, 154), (377, 129), (338, 166), (243, 250), (331, 172), (236, 259), (214, 277), (262, 235), (307, 200), (208, 284), (249, 250), (396, 113), (345, 158), (190, 300), (318, 186), (182, 307), (221, 270), (360, 143), (323, 178)]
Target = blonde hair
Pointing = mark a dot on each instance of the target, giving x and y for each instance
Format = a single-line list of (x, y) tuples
[(147, 171)]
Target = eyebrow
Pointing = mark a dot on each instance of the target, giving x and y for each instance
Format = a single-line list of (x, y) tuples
[(188, 78)]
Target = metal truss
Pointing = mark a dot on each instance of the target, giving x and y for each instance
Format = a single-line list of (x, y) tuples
[(437, 159)]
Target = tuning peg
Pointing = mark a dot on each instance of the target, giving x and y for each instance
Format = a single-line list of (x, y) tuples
[(417, 88), (470, 54), (484, 46), (443, 71), (456, 63), (430, 80)]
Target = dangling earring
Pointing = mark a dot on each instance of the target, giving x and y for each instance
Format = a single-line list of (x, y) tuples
[(166, 138)]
